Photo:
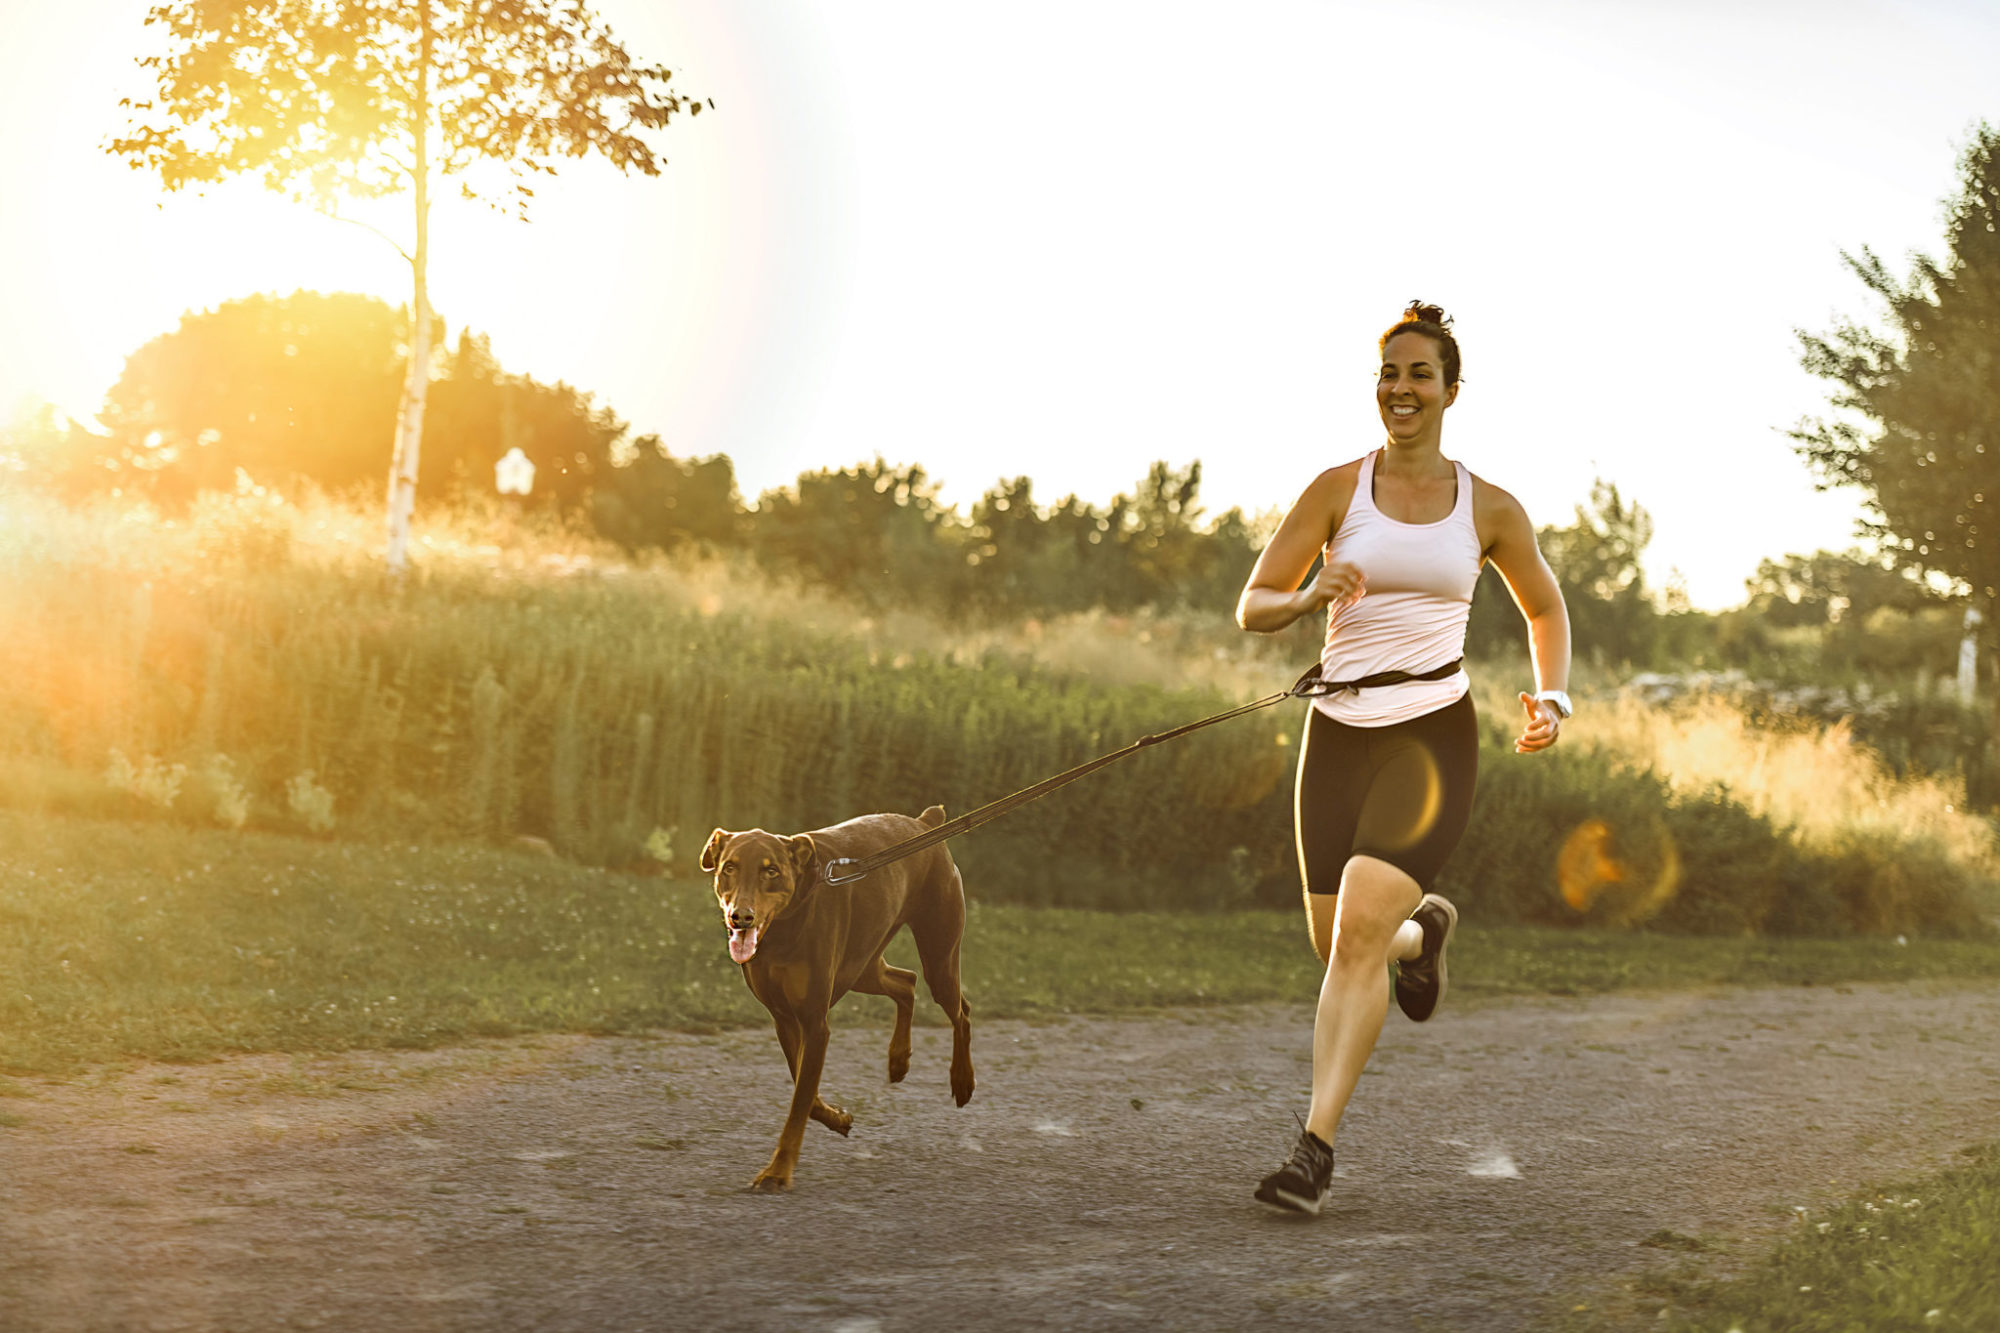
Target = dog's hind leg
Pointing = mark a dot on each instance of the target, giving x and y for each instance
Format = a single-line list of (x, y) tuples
[(937, 930), (791, 1038), (900, 985)]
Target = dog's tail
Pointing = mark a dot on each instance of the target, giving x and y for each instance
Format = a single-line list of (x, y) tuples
[(932, 817)]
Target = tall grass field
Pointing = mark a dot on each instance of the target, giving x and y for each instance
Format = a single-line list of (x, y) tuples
[(247, 667)]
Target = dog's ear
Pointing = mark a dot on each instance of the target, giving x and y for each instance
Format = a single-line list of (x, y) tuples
[(805, 857), (711, 855)]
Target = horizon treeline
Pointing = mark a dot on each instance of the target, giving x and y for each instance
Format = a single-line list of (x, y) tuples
[(298, 390)]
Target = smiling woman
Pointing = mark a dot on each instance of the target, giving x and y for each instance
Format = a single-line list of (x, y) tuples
[(1387, 764)]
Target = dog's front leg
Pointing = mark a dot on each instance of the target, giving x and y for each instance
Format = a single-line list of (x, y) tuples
[(805, 1091), (831, 1116)]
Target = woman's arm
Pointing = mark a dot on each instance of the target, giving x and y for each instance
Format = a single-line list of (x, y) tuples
[(1273, 599), (1514, 553)]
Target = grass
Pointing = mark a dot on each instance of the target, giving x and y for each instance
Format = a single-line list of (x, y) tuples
[(1813, 779), (1918, 1255), (246, 667), (144, 940)]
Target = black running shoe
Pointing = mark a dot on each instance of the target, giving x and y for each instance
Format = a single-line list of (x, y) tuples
[(1301, 1184), (1420, 983)]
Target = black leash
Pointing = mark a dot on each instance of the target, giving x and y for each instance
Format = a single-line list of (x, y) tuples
[(845, 870)]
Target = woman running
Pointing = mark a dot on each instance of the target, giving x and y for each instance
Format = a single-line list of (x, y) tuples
[(1387, 764)]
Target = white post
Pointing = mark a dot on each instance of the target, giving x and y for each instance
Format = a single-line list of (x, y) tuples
[(1968, 656), (514, 473)]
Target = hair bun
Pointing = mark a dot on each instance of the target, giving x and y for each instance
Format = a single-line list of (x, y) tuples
[(1432, 322), (1428, 314)]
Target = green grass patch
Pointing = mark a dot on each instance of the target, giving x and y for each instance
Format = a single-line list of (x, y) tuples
[(121, 940), (1920, 1255)]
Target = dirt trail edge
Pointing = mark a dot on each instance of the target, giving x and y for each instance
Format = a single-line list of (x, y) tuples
[(1496, 1161)]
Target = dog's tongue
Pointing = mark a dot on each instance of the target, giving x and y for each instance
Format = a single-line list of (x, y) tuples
[(742, 944)]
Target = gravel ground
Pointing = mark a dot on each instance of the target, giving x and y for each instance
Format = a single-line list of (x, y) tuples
[(1499, 1165)]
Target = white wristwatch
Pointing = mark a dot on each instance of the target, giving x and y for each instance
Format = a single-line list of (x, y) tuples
[(1556, 697)]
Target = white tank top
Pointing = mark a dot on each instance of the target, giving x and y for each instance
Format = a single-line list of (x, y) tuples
[(1420, 578)]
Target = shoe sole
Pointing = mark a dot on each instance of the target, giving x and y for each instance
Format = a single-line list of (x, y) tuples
[(1450, 925)]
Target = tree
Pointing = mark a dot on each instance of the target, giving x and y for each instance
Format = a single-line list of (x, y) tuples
[(329, 99), (1832, 588), (47, 450), (1597, 563), (280, 387), (649, 498), (481, 412), (874, 532), (1923, 437), (303, 387), (1599, 554)]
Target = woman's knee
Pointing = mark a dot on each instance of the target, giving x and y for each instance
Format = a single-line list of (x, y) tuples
[(1375, 899)]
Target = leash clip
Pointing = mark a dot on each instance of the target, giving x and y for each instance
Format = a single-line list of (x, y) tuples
[(831, 871), (1312, 686)]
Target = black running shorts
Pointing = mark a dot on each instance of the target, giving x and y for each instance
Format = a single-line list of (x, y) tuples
[(1400, 793)]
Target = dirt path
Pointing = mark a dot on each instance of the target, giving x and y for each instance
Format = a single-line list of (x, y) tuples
[(1497, 1162)]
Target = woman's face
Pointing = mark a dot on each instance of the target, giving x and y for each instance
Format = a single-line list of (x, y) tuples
[(1411, 393)]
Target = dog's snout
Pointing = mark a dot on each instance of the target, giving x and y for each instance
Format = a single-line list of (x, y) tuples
[(742, 917)]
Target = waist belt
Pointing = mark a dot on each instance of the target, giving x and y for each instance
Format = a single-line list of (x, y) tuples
[(846, 870), (1311, 685)]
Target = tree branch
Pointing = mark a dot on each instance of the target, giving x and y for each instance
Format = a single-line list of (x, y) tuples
[(408, 258)]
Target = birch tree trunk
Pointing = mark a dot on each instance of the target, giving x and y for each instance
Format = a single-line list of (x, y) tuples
[(416, 383)]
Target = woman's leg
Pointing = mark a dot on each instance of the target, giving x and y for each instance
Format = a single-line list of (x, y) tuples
[(1360, 931)]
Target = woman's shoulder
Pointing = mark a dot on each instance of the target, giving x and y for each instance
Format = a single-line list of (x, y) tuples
[(1493, 507), (1338, 482), (1485, 493), (1322, 506)]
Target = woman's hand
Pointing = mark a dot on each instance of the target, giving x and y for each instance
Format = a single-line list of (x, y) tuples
[(1543, 728), (1338, 581)]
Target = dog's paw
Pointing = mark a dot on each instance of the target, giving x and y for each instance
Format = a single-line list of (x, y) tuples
[(834, 1118), (899, 1066), (961, 1086), (770, 1182)]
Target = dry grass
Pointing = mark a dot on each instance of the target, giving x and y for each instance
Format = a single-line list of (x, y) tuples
[(1813, 779)]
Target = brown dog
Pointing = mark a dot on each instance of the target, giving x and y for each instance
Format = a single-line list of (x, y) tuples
[(804, 943)]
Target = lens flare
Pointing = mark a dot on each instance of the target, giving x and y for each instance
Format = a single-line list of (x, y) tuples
[(1416, 768), (1585, 866), (1594, 878)]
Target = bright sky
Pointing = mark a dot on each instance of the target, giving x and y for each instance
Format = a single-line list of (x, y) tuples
[(1064, 238)]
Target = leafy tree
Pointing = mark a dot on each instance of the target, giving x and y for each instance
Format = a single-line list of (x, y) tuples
[(1175, 560), (649, 498), (1832, 588), (1596, 561), (1871, 613), (1013, 555), (875, 532), (480, 412), (1599, 554), (1146, 549), (47, 450), (1922, 437), (329, 99), (304, 387), (281, 387)]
